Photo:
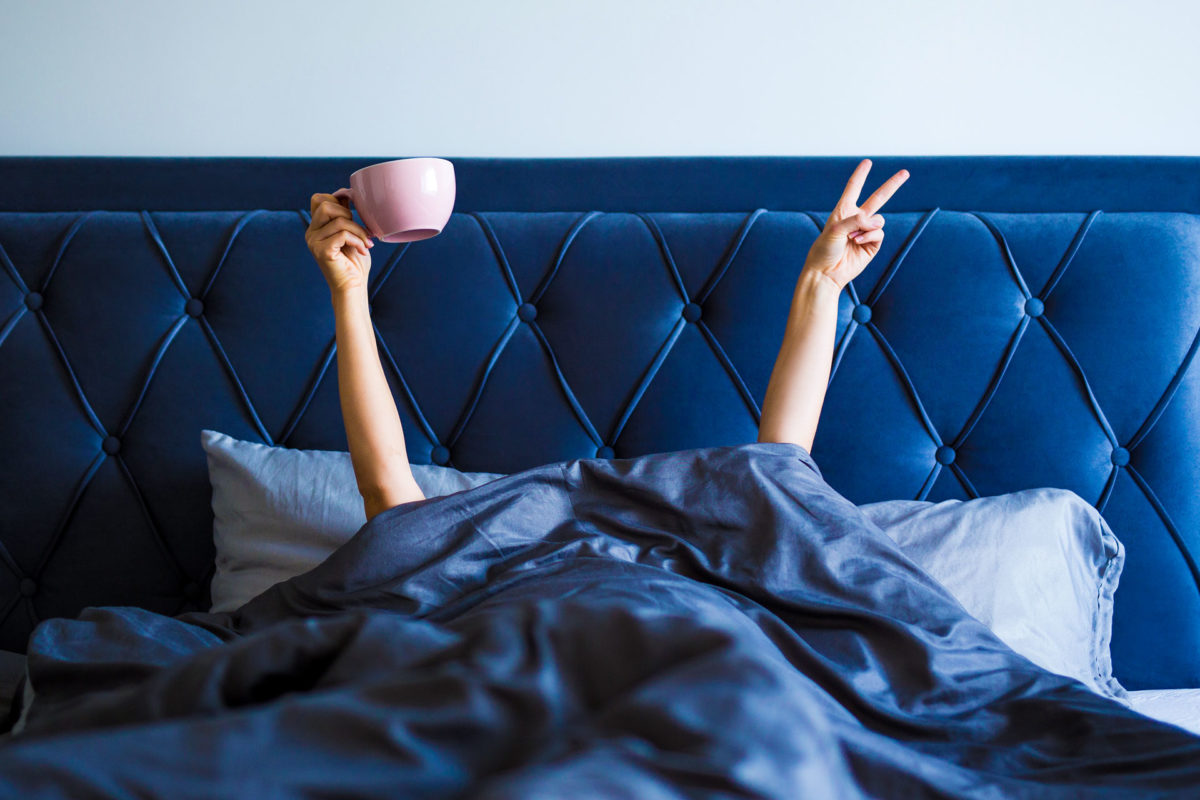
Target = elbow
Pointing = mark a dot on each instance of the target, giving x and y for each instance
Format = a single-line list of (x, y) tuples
[(784, 434), (372, 506), (382, 498)]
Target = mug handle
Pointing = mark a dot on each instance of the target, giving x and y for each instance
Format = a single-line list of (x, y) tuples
[(349, 195)]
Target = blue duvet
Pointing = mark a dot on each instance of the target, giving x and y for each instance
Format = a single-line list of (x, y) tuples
[(705, 623)]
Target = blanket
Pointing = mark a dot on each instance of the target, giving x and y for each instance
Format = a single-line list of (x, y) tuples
[(705, 623)]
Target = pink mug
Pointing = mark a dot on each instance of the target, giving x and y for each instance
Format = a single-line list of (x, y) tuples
[(403, 200)]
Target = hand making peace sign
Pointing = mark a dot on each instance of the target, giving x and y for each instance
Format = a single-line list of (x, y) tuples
[(852, 233)]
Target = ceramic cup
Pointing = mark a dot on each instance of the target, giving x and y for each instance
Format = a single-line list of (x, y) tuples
[(403, 200)]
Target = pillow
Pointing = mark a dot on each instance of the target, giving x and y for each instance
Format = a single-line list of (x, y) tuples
[(12, 676), (278, 512), (1039, 567)]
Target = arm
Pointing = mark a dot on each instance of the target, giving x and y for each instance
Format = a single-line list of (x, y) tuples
[(796, 391), (373, 429), (849, 240)]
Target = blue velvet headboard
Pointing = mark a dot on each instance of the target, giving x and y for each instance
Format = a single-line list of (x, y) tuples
[(1028, 322)]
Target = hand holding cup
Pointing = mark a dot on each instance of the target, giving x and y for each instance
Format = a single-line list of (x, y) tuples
[(405, 200)]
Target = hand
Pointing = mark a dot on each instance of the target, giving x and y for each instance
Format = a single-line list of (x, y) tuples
[(853, 233), (338, 243)]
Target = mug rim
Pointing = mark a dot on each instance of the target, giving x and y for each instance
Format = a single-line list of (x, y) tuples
[(396, 160)]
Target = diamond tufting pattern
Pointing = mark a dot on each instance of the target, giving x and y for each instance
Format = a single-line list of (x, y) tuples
[(981, 352)]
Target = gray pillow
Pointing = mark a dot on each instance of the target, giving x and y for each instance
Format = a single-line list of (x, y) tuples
[(278, 512), (1038, 567)]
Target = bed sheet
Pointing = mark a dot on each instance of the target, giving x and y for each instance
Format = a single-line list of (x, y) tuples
[(1179, 707), (705, 622)]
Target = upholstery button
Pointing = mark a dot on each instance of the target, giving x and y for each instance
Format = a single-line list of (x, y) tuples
[(1034, 307), (945, 455), (862, 313), (527, 312), (194, 307), (33, 301), (1120, 456), (111, 445), (604, 451), (28, 587), (440, 455), (691, 312)]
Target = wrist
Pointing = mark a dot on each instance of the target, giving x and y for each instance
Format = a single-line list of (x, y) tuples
[(817, 287), (348, 296)]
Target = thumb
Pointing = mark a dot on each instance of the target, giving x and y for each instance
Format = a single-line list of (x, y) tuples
[(859, 221)]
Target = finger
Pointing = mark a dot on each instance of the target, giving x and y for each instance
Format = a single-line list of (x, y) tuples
[(342, 223), (327, 210), (317, 199), (333, 208), (854, 185), (340, 240), (867, 237), (354, 242), (884, 192), (318, 235), (858, 221)]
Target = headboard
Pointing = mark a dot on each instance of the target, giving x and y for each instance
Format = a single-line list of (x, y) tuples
[(1030, 321)]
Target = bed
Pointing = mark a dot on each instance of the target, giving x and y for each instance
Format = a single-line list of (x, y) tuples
[(1030, 322)]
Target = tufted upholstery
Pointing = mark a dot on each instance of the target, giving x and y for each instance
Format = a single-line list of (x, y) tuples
[(981, 352)]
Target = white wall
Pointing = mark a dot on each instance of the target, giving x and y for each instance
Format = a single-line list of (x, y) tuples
[(618, 77)]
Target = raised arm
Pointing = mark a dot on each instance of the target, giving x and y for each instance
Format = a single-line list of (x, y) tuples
[(849, 240), (342, 250)]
